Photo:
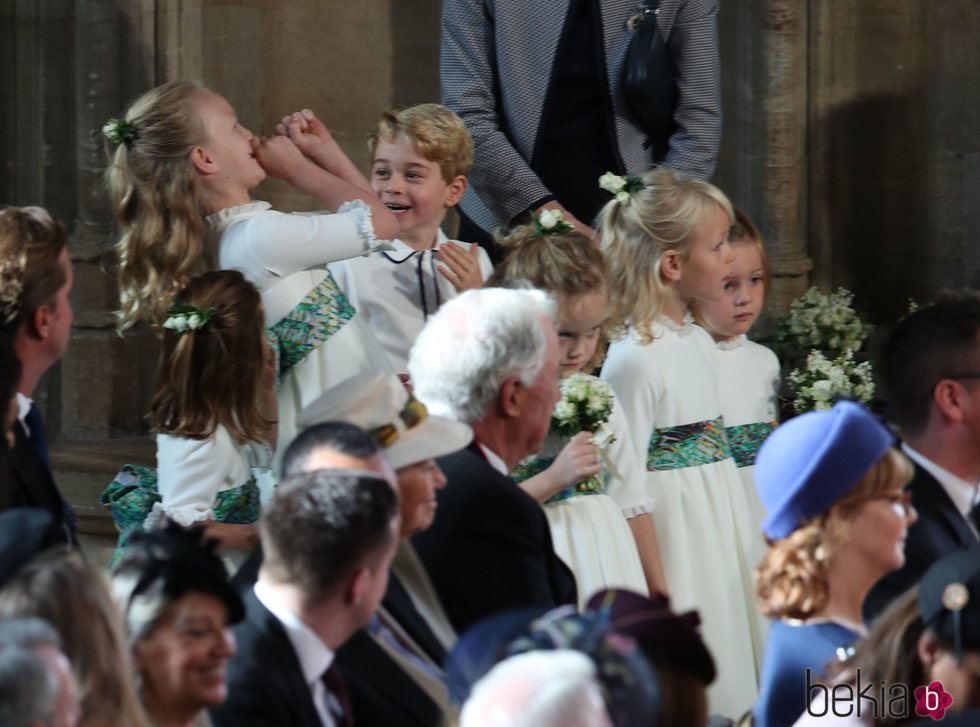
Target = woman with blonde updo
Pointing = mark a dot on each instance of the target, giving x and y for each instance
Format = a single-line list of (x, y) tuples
[(837, 515)]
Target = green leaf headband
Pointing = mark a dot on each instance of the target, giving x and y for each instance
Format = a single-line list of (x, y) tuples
[(550, 222), (184, 318), (120, 131), (622, 188)]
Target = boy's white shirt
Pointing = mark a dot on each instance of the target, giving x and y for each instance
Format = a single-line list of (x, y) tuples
[(387, 290)]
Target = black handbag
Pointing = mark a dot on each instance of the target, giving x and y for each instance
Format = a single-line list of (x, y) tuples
[(648, 85)]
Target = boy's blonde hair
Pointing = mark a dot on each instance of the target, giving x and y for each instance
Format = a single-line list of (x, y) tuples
[(439, 136), (158, 202), (660, 217), (567, 266), (214, 375), (793, 579)]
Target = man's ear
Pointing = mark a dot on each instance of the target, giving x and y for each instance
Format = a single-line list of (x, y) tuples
[(949, 397), (202, 160), (511, 397), (671, 263), (38, 324), (357, 586), (455, 190)]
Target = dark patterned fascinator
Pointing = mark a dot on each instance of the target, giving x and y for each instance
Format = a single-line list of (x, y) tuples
[(626, 679), (161, 566)]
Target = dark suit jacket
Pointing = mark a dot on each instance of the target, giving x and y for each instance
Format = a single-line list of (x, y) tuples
[(266, 687), (489, 548), (940, 530), (32, 485), (399, 604), (381, 693)]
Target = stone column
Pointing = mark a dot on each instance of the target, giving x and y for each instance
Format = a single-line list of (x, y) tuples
[(764, 158)]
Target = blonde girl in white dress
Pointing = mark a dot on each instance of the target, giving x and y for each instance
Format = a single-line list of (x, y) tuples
[(180, 179), (666, 244), (587, 490)]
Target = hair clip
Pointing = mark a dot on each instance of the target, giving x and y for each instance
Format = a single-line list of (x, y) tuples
[(120, 131), (550, 222), (188, 318), (622, 188)]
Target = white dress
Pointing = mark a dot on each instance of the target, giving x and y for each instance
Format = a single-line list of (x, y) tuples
[(668, 391), (748, 389), (588, 527), (320, 338), (208, 479), (397, 291)]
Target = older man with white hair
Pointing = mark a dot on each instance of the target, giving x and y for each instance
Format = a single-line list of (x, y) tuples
[(489, 358)]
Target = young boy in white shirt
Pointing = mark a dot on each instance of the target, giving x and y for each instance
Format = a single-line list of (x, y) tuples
[(420, 158)]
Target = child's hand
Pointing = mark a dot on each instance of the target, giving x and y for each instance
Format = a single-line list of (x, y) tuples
[(278, 155), (306, 131), (577, 461), (460, 267)]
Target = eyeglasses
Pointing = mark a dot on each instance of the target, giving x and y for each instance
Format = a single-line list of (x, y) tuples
[(902, 499)]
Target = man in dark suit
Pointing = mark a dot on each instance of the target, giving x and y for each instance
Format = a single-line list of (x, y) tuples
[(328, 537), (36, 316), (489, 358), (930, 371)]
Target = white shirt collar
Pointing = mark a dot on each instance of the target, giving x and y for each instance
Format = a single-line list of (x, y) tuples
[(24, 404), (314, 656), (494, 459), (961, 492)]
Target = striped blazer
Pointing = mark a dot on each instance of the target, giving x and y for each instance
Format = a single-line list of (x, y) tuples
[(497, 59)]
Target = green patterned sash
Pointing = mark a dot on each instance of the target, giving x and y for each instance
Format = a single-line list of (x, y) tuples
[(746, 439), (133, 493), (689, 445), (321, 313), (527, 470)]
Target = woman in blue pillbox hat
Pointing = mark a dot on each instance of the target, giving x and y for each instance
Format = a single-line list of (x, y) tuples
[(837, 514)]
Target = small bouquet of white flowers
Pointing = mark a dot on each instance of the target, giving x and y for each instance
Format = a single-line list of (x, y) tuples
[(823, 381), (586, 404), (822, 322)]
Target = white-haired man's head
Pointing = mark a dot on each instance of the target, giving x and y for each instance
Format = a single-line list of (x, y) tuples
[(491, 354), (538, 689)]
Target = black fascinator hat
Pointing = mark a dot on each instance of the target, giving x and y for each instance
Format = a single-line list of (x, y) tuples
[(159, 567)]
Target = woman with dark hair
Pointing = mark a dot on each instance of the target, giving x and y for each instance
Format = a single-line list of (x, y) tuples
[(178, 607)]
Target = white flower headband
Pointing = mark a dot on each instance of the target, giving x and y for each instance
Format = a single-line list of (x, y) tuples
[(622, 188), (188, 318)]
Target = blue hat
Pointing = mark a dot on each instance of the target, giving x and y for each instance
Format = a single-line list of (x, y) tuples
[(813, 460)]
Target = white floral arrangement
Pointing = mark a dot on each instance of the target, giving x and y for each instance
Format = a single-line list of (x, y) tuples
[(824, 322), (823, 381), (622, 188), (187, 318), (550, 222), (586, 404)]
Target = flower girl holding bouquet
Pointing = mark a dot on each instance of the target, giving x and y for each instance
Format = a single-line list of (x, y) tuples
[(666, 244), (587, 488), (180, 178)]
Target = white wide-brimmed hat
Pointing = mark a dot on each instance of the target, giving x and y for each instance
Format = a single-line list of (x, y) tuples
[(382, 406)]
